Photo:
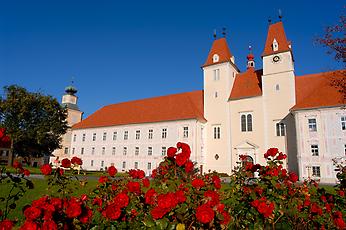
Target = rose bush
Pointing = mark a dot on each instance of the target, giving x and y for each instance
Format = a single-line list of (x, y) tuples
[(178, 197)]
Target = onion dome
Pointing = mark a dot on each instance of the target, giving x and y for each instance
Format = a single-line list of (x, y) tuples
[(70, 90)]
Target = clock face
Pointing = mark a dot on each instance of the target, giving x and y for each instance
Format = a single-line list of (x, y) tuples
[(276, 59)]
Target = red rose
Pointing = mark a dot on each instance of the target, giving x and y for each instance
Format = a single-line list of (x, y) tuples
[(17, 165), (180, 196), (84, 197), (197, 183), (32, 213), (217, 182), (122, 200), (103, 179), (341, 193), (315, 209), (73, 209), (340, 223), (66, 163), (150, 196), (226, 218), (212, 197), (134, 187), (204, 214), (146, 182), (56, 202), (49, 225), (220, 207), (86, 215), (112, 212), (167, 201), (185, 148), (140, 174), (158, 213), (46, 169), (188, 166), (293, 177), (112, 171), (26, 172), (29, 225), (137, 173), (181, 159), (171, 151), (271, 152), (60, 171), (41, 202), (97, 201), (6, 225), (76, 161), (281, 156)]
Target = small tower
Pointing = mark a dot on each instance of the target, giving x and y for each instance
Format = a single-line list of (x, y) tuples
[(250, 59)]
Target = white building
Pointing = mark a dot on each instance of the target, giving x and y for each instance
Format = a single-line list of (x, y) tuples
[(236, 113)]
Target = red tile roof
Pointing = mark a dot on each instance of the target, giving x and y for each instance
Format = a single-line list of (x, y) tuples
[(247, 84), (165, 108), (5, 141), (276, 31), (219, 47), (316, 90)]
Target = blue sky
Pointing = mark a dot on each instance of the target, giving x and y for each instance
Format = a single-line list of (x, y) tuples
[(125, 50)]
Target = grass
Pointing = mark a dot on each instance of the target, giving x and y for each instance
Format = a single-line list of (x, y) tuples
[(40, 189)]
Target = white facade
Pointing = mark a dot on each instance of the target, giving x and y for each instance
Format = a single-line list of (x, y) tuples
[(321, 137), (141, 146)]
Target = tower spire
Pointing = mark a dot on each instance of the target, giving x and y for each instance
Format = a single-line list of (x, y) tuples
[(250, 59)]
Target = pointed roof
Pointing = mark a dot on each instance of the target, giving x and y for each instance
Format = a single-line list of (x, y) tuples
[(247, 84), (317, 90), (219, 47), (276, 31), (157, 109)]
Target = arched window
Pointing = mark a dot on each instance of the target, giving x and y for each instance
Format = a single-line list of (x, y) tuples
[(249, 122), (246, 159), (243, 123)]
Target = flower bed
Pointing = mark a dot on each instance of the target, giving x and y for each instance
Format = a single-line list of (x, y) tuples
[(178, 197)]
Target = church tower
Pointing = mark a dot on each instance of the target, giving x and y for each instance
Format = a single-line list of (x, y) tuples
[(219, 72), (278, 85), (74, 115)]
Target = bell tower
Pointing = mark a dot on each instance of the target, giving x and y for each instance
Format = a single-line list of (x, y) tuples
[(219, 73)]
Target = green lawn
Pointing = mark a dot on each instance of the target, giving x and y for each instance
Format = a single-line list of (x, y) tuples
[(40, 189)]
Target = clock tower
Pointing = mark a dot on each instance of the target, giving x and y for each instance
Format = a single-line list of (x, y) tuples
[(278, 87)]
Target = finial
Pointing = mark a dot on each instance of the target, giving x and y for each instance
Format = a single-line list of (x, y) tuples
[(224, 31), (250, 49), (72, 80), (270, 20), (214, 35), (280, 15)]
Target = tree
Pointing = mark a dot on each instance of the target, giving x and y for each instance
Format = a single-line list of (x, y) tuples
[(34, 122), (334, 40)]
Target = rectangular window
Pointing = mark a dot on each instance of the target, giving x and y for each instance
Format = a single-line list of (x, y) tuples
[(186, 132), (74, 137), (149, 165), (66, 150), (164, 133), (92, 163), (246, 122), (314, 150), (150, 151), (136, 165), (104, 137), (124, 164), (94, 136), (164, 151), (113, 151), (103, 150), (345, 150), (72, 151), (216, 74), (83, 137), (280, 129), (115, 134), (126, 135), (343, 122), (125, 151), (138, 134), (81, 151), (137, 151), (217, 132), (151, 134), (316, 171), (312, 125), (92, 150), (102, 163)]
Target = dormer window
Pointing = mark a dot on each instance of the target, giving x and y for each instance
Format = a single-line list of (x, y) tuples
[(275, 45), (215, 58)]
